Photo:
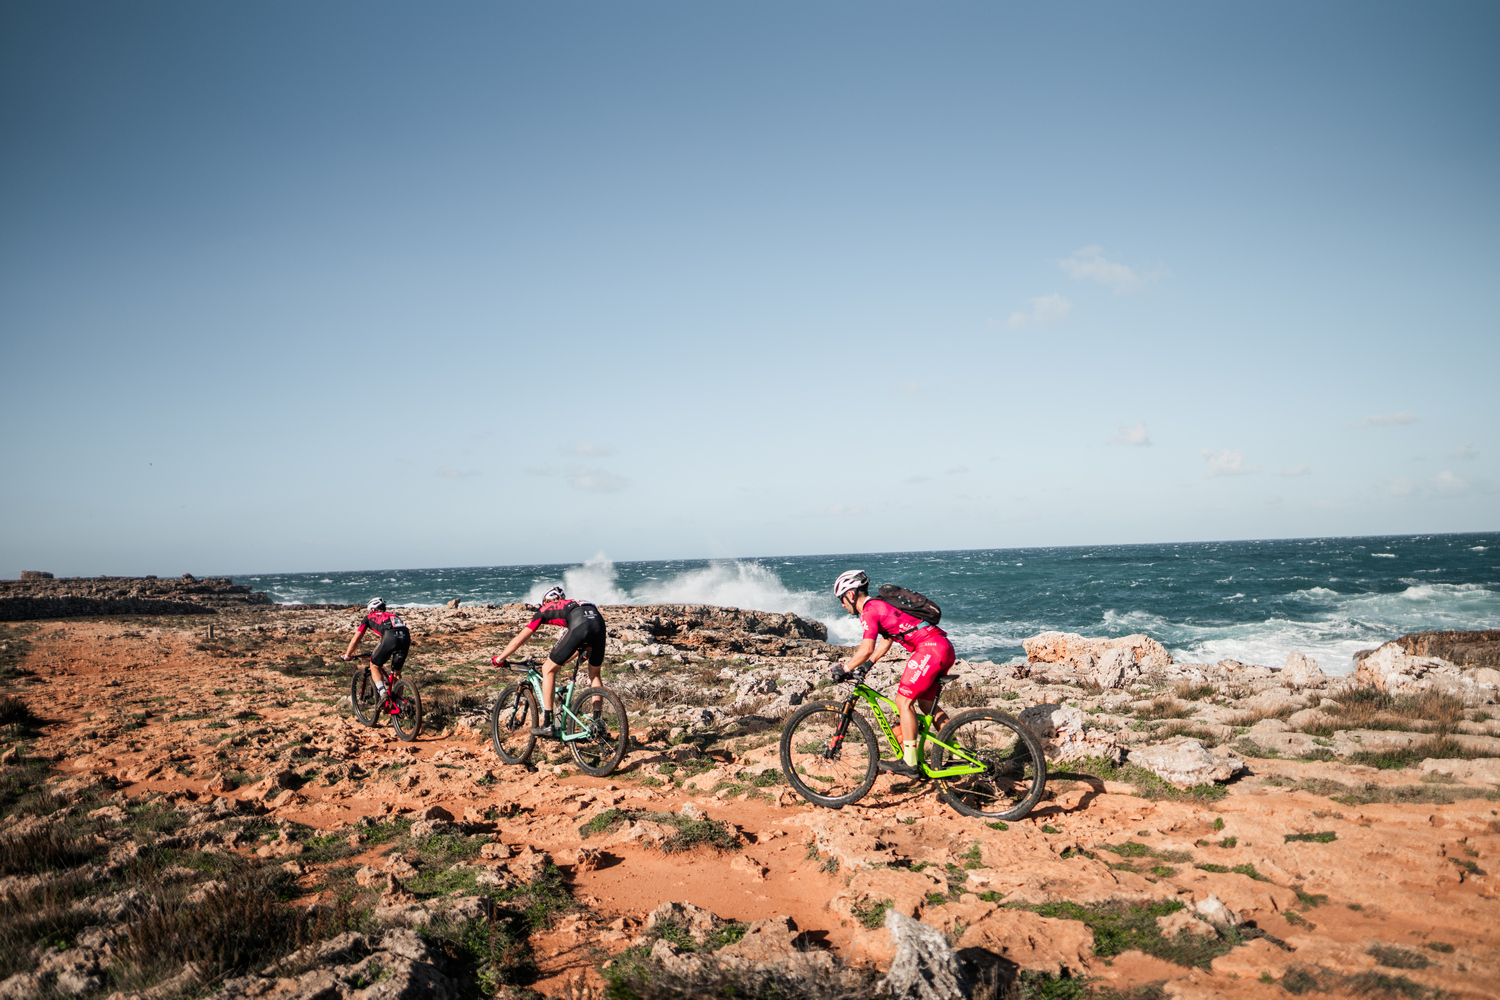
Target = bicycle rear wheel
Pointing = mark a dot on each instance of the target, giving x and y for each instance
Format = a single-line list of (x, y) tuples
[(512, 715), (1015, 772), (365, 698), (599, 752), (825, 769), (406, 703)]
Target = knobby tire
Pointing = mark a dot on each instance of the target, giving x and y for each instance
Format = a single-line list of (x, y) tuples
[(408, 716), (512, 715), (364, 697), (1015, 774), (831, 781), (599, 753)]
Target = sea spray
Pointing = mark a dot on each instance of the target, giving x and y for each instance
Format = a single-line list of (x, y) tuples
[(1254, 601)]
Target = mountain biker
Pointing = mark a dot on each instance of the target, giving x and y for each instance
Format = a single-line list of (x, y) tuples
[(930, 656), (395, 641), (583, 626)]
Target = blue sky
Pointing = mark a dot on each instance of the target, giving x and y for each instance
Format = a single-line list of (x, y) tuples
[(290, 286)]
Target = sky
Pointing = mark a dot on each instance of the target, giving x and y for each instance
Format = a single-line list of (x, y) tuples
[(316, 286)]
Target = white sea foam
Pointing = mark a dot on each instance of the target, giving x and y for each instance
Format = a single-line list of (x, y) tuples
[(1382, 555)]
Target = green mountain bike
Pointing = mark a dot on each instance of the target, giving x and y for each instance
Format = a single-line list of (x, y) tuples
[(592, 722), (985, 762)]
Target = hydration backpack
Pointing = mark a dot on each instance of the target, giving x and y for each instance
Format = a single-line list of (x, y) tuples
[(911, 602)]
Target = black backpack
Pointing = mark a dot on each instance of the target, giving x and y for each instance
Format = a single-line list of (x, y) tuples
[(911, 602)]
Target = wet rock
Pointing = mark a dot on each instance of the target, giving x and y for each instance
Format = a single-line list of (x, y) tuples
[(1185, 762), (925, 966)]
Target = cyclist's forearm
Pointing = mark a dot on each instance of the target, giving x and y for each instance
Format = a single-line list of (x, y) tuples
[(881, 648), (860, 655), (516, 643)]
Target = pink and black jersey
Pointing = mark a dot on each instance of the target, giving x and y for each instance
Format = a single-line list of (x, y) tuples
[(880, 618), (380, 622), (567, 614)]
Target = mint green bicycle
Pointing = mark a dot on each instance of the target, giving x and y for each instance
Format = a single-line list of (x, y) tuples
[(592, 722), (985, 762)]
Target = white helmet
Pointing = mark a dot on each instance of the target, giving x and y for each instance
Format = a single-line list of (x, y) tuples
[(376, 604), (555, 594), (853, 579)]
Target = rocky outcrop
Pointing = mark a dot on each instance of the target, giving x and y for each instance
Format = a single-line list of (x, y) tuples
[(1394, 670), (1110, 663), (925, 966), (41, 596), (1185, 762), (1465, 650)]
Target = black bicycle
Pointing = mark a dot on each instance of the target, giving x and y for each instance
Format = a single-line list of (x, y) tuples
[(402, 701)]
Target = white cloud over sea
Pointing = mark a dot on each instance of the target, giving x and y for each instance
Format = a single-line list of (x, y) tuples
[(1137, 436), (1046, 310), (1090, 264), (1229, 462)]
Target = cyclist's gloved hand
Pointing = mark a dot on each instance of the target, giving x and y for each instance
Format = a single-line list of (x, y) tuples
[(839, 675), (495, 661)]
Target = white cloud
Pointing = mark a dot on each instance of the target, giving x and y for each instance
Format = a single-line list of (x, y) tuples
[(840, 510), (541, 470), (446, 473), (1046, 310), (1376, 420), (1137, 435), (1230, 462), (1294, 470), (906, 389), (1466, 453), (594, 480), (1090, 263), (1447, 482), (957, 469), (592, 450)]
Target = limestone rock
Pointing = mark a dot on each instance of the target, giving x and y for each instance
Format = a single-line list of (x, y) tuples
[(1069, 647), (1217, 913), (1302, 671), (925, 966), (1185, 762), (766, 942), (697, 922), (1174, 924)]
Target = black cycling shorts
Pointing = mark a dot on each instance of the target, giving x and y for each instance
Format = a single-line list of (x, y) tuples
[(394, 645), (590, 634)]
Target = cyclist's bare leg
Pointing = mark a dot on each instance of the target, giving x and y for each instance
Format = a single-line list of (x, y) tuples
[(596, 705), (376, 676), (549, 682)]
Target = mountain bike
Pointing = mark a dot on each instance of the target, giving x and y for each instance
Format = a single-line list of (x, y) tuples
[(591, 722), (402, 702), (985, 762)]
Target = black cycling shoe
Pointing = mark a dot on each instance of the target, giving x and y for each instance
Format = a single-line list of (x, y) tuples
[(545, 732), (902, 768)]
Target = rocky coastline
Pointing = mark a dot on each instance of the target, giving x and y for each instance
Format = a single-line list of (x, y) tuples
[(39, 595), (1210, 830)]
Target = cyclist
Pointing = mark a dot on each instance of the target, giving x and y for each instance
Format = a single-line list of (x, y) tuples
[(395, 641), (930, 656), (583, 626)]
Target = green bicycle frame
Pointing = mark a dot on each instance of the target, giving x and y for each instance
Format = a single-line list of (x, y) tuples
[(924, 728), (581, 730)]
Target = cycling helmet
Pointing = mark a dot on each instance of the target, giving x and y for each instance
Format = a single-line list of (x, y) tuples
[(376, 604), (853, 579), (555, 594)]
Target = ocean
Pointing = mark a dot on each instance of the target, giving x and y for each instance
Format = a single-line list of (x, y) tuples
[(1253, 601)]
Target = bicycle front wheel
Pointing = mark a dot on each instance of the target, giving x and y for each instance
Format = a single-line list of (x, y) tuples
[(365, 698), (1014, 771), (405, 706), (600, 713), (825, 768), (511, 717)]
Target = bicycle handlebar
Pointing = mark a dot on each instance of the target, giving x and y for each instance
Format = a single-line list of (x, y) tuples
[(840, 675)]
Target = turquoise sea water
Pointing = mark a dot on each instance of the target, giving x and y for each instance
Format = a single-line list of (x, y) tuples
[(1250, 600)]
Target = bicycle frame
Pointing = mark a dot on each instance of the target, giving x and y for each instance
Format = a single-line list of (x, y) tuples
[(873, 698), (534, 678)]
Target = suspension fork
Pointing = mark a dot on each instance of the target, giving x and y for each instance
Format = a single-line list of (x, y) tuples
[(837, 741)]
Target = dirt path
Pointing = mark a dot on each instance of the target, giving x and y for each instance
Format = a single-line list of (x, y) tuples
[(152, 705)]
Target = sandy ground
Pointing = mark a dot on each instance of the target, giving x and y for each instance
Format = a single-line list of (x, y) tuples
[(152, 705)]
